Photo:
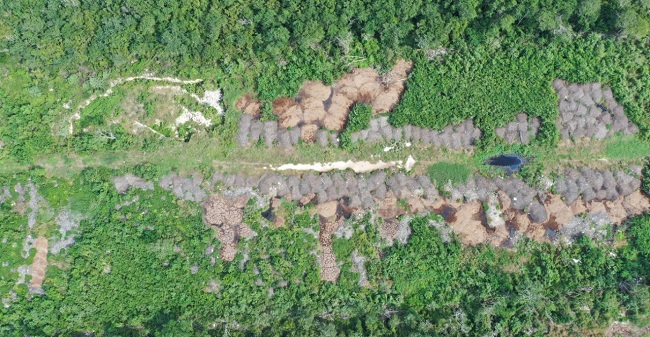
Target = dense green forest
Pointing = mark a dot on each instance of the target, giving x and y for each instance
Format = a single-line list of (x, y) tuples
[(143, 263), (148, 269), (493, 55)]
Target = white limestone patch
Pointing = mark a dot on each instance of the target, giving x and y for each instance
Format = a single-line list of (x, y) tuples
[(194, 116), (211, 98), (358, 167)]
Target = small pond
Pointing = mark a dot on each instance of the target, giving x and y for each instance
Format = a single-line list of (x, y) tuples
[(508, 162)]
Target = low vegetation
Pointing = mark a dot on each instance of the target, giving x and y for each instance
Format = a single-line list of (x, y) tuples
[(152, 268), (143, 263), (358, 119), (444, 172)]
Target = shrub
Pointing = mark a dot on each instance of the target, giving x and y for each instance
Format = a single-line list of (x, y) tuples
[(358, 119), (441, 173)]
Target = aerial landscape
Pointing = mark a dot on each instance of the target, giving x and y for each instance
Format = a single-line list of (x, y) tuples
[(325, 168)]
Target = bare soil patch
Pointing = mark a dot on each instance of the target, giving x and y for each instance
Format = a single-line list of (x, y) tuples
[(248, 104), (39, 265), (328, 107)]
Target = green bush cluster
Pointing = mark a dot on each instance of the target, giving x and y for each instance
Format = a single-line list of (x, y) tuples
[(358, 119), (492, 85), (443, 172), (500, 58)]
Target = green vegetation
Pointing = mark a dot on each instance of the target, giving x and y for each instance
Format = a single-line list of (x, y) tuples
[(149, 269), (486, 60), (478, 84), (491, 84), (443, 172), (627, 147), (358, 119), (144, 263)]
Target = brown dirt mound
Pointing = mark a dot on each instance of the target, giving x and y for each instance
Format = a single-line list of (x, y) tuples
[(313, 111), (249, 105), (559, 213), (388, 208), (328, 210), (292, 117), (468, 226), (39, 264), (326, 106), (316, 90), (281, 105), (636, 203)]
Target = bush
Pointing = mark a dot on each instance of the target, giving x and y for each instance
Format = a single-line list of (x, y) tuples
[(358, 119), (441, 173), (640, 235), (490, 87)]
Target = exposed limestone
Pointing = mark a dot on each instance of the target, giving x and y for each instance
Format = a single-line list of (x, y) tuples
[(128, 181), (358, 262), (186, 188), (67, 222)]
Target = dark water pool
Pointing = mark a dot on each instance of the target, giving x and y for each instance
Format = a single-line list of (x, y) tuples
[(509, 162)]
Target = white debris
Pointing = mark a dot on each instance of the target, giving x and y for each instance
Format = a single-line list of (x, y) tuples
[(211, 98), (194, 116), (410, 162), (358, 167), (139, 125), (119, 81)]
